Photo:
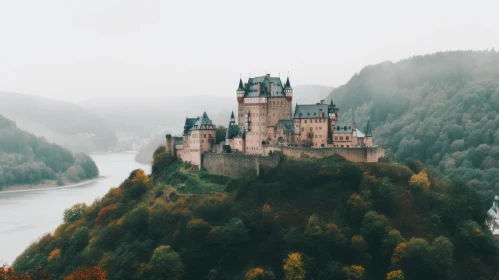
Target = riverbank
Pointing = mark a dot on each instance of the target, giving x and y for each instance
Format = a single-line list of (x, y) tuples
[(47, 185)]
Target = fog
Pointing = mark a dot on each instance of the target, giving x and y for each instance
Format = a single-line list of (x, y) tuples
[(76, 50)]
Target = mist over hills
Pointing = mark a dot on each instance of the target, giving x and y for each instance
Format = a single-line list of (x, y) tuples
[(64, 123), (441, 109), (27, 159), (310, 94)]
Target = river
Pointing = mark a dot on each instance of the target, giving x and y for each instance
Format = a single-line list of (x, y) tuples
[(26, 216)]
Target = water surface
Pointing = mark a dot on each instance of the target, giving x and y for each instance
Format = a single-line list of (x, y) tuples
[(26, 216)]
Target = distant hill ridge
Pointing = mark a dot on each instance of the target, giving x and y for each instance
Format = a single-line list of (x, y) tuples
[(440, 108), (26, 159), (59, 121)]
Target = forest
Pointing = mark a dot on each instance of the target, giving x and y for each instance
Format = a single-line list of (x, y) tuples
[(306, 219), (26, 159), (441, 109)]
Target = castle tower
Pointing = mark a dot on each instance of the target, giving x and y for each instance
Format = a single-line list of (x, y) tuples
[(288, 90), (240, 91), (333, 112), (368, 140), (168, 144)]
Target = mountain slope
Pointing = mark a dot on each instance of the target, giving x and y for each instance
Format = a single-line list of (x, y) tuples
[(441, 109), (26, 159), (61, 122), (321, 219)]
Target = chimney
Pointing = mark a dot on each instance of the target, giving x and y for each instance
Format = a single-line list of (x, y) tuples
[(322, 101), (268, 76)]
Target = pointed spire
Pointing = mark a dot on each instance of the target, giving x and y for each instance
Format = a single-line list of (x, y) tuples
[(241, 86), (232, 115), (368, 131), (288, 84)]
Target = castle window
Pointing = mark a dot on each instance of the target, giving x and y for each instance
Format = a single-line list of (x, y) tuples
[(305, 121), (342, 146), (314, 114), (341, 138), (315, 119), (311, 128), (308, 114), (315, 136), (204, 135), (337, 128), (348, 137), (202, 141), (302, 129), (345, 127), (348, 146), (320, 127)]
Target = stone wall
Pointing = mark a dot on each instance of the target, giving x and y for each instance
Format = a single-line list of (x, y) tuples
[(238, 164), (365, 154)]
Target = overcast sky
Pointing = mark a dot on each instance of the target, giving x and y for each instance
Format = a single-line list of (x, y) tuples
[(76, 50)]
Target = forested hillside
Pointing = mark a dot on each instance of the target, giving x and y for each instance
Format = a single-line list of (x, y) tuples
[(26, 159), (441, 109), (309, 219), (66, 124)]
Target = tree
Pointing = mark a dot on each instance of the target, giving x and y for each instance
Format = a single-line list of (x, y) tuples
[(258, 273), (395, 275), (220, 133), (87, 273), (74, 213), (354, 272), (166, 264), (293, 267)]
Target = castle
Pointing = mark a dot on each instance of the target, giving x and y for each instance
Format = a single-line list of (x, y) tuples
[(266, 124)]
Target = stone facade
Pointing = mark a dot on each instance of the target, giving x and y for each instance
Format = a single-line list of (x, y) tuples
[(238, 164), (198, 137)]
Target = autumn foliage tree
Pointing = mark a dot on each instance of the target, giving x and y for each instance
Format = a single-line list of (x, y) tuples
[(293, 267), (87, 273)]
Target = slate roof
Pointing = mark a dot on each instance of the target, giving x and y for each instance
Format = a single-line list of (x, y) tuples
[(178, 140), (235, 131), (189, 123), (369, 132), (288, 84), (287, 125), (310, 111), (203, 122), (240, 87), (277, 89), (360, 134)]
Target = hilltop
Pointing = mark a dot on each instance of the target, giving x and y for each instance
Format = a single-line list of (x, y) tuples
[(442, 109), (66, 124), (26, 159), (307, 219)]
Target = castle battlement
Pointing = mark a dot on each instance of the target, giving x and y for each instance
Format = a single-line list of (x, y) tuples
[(266, 123)]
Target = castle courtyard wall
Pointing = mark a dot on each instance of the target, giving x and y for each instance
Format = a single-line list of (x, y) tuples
[(361, 154), (238, 164)]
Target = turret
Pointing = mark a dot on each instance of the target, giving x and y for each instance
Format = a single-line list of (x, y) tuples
[(333, 111), (168, 144), (368, 140), (232, 119), (240, 91), (288, 90)]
